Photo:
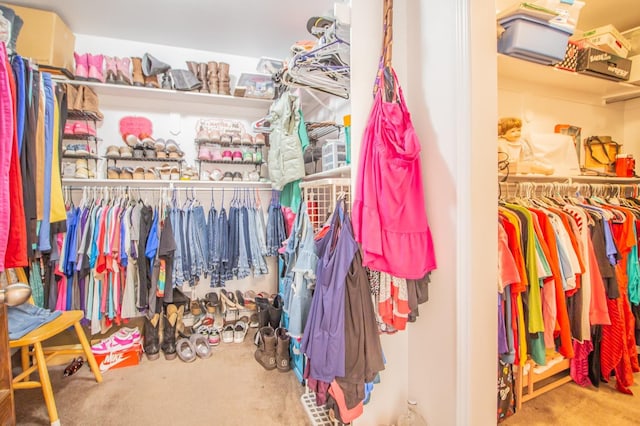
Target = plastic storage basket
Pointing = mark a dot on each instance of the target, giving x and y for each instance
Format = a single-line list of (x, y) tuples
[(321, 195)]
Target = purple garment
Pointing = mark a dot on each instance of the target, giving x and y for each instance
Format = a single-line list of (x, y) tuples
[(323, 339), (502, 333)]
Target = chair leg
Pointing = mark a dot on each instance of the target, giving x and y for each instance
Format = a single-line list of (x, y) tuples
[(87, 351), (47, 391), (26, 360)]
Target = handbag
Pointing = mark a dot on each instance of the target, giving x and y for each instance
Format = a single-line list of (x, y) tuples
[(600, 153)]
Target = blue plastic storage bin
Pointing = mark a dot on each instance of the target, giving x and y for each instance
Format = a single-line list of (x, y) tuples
[(533, 40)]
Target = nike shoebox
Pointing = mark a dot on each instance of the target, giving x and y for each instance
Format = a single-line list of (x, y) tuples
[(45, 38), (126, 358), (602, 64)]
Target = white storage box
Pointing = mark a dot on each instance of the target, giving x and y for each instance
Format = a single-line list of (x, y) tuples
[(633, 36), (334, 154), (533, 40), (606, 38)]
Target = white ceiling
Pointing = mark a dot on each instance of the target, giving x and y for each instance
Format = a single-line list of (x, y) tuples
[(622, 14), (243, 27)]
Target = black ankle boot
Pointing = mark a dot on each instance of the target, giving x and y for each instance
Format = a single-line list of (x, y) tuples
[(275, 312), (152, 337), (169, 336)]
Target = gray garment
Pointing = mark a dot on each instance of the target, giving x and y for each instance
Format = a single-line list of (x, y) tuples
[(135, 222)]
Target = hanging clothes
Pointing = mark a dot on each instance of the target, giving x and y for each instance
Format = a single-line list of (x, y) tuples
[(389, 216)]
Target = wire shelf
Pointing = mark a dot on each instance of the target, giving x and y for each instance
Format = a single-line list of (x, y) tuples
[(318, 130), (255, 163), (86, 137), (157, 160), (210, 142), (74, 114)]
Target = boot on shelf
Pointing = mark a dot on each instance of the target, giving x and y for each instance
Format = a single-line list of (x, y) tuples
[(151, 81), (169, 321), (138, 78), (212, 77), (202, 76), (153, 66), (282, 350), (96, 63), (82, 66), (110, 69), (123, 74), (223, 79), (194, 68), (152, 337), (266, 352), (72, 94)]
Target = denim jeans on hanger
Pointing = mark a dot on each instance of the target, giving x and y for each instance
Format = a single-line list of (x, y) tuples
[(27, 317), (234, 250), (176, 221), (186, 254), (244, 269), (213, 260), (200, 242), (222, 248), (259, 263)]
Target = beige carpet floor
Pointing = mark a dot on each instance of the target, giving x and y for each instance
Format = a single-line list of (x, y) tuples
[(573, 405), (230, 388)]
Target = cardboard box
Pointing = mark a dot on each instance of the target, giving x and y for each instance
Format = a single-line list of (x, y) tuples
[(606, 38), (119, 359), (601, 64), (45, 38)]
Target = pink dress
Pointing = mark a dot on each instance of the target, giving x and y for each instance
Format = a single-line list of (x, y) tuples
[(389, 217)]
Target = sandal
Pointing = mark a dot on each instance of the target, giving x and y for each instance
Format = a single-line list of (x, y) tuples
[(126, 173), (239, 331), (159, 145), (195, 309), (150, 174), (112, 173), (250, 300), (185, 349), (138, 173), (72, 368), (113, 151), (228, 333), (253, 321), (239, 298), (174, 174), (125, 152), (201, 345)]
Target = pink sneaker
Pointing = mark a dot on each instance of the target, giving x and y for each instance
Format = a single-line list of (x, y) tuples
[(122, 340)]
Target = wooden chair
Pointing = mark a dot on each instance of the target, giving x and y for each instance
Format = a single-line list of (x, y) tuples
[(36, 358)]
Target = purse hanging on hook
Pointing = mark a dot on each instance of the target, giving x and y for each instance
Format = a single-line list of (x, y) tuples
[(385, 71)]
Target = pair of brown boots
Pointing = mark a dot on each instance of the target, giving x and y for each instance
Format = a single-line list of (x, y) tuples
[(83, 99), (273, 349), (139, 78), (213, 76)]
